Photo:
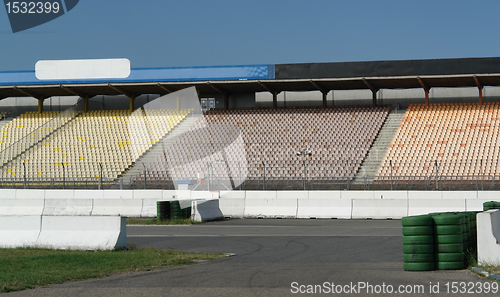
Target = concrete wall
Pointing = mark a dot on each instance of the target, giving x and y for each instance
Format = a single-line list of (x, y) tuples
[(488, 238), (206, 210), (240, 204), (63, 232)]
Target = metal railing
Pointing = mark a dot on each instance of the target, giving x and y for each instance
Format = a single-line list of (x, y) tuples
[(87, 183)]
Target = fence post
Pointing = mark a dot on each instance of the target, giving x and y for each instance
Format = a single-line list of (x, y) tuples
[(436, 167), (144, 172), (390, 164), (264, 184)]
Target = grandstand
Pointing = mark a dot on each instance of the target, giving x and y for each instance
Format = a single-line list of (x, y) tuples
[(239, 145), (454, 141), (109, 138), (338, 139)]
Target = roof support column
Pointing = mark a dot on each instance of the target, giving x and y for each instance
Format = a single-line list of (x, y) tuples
[(426, 90), (85, 104), (324, 99), (374, 90), (40, 105), (275, 100), (480, 87), (131, 101)]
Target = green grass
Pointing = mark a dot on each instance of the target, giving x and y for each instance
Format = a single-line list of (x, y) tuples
[(26, 268), (141, 221)]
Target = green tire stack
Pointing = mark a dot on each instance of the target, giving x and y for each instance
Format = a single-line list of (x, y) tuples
[(472, 233), (451, 238), (418, 243), (186, 212), (491, 205), (176, 212), (162, 210)]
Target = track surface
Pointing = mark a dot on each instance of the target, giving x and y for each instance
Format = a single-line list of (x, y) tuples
[(270, 256)]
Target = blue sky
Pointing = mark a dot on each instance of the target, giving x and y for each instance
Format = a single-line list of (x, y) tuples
[(165, 33)]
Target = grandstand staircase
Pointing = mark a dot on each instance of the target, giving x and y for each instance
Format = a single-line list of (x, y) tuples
[(370, 165), (157, 150)]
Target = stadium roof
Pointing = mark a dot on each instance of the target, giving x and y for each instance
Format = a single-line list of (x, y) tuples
[(469, 72)]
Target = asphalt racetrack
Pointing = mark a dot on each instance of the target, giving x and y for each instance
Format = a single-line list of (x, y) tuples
[(278, 258)]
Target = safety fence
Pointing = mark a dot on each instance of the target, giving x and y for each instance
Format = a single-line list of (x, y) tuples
[(218, 180)]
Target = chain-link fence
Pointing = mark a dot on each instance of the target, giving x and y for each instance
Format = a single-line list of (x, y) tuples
[(304, 181), (310, 183)]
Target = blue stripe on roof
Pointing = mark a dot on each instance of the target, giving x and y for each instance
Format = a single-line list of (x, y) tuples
[(214, 73)]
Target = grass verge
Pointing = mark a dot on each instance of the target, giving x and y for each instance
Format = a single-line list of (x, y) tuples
[(142, 221), (26, 268)]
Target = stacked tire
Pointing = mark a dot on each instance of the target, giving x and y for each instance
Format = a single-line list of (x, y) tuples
[(178, 213), (171, 210), (162, 210), (451, 241), (491, 205), (472, 215), (418, 243)]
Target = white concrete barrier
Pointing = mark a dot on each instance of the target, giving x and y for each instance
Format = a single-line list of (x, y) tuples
[(168, 194), (425, 206), (474, 204), (60, 194), (68, 207), (21, 207), (324, 208), (232, 194), (148, 194), (260, 195), (488, 237), (118, 194), (30, 194), (232, 207), (292, 194), (117, 207), (206, 210), (324, 195), (180, 195), (19, 231), (149, 209), (149, 199), (390, 195), (270, 208), (459, 195), (488, 195), (205, 195), (435, 195), (356, 195), (89, 194), (379, 209), (82, 232), (7, 193)]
